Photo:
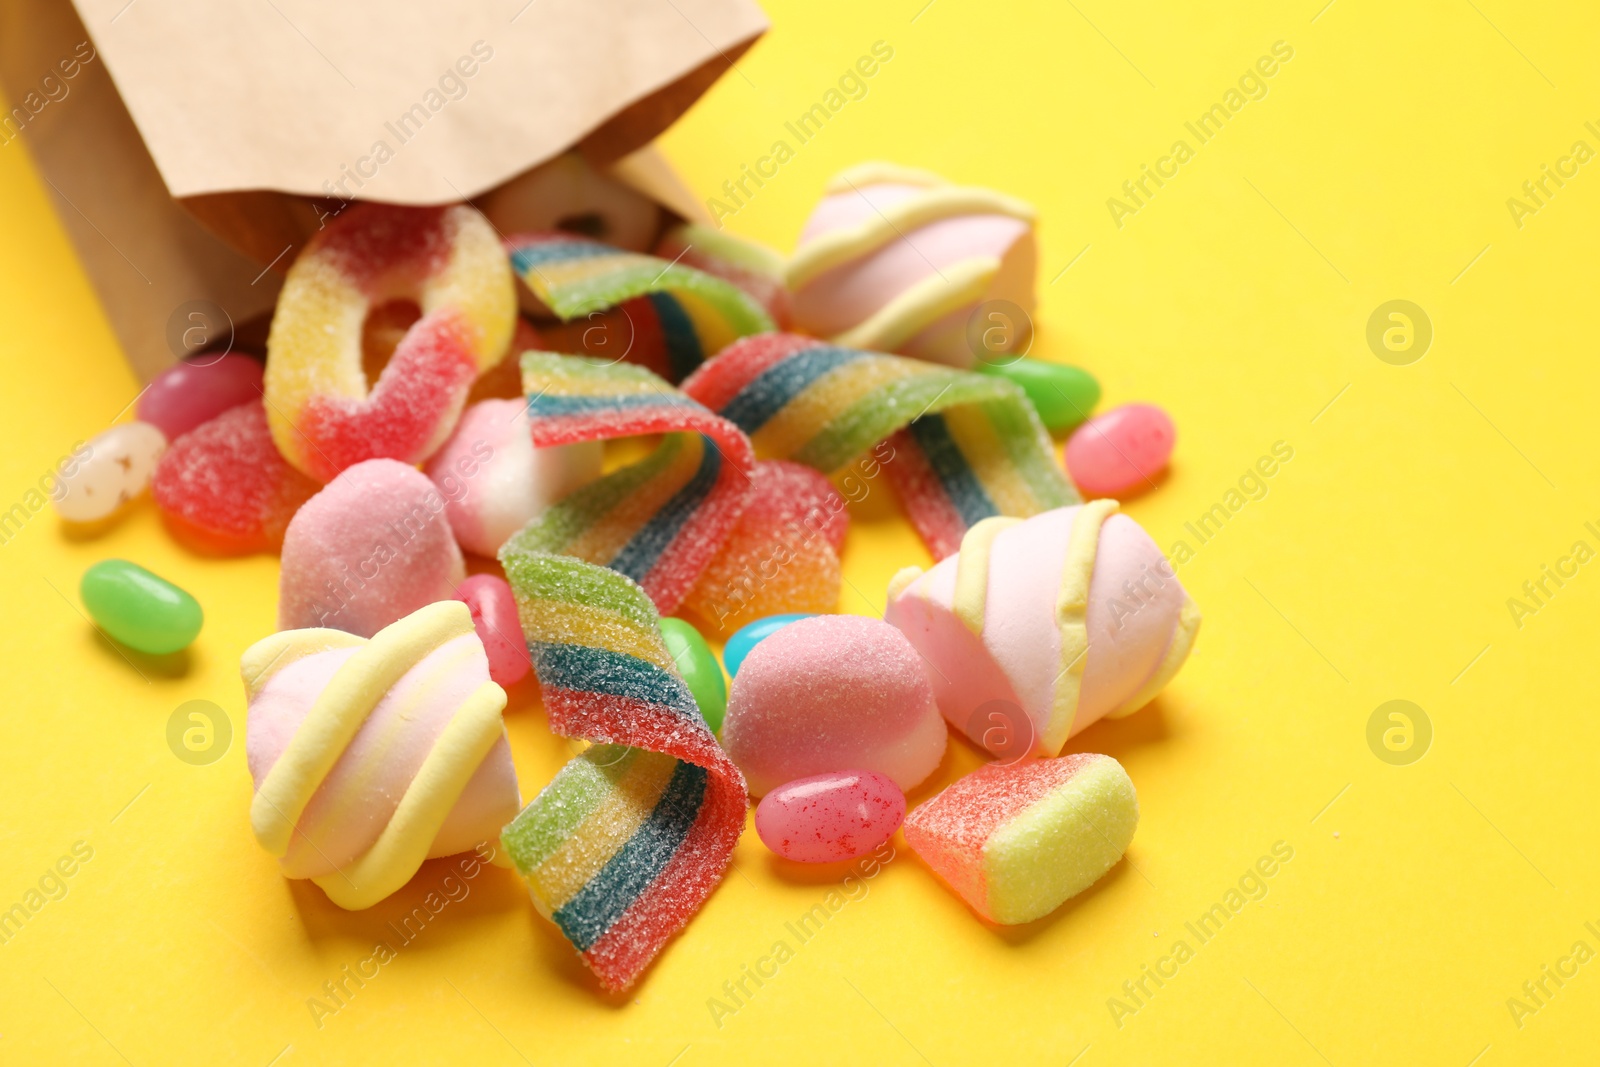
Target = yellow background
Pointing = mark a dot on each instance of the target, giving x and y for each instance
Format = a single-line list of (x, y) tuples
[(1378, 567)]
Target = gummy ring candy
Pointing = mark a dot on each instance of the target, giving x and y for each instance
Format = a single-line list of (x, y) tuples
[(448, 260)]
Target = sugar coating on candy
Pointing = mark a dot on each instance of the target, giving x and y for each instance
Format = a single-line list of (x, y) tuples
[(782, 555), (224, 486), (670, 317), (494, 617), (756, 269), (372, 547), (752, 634), (197, 390), (625, 844), (114, 467), (1017, 840), (370, 756), (1120, 451), (1060, 620), (833, 693), (495, 480), (659, 520), (448, 260), (957, 447), (830, 817), (139, 608), (900, 260)]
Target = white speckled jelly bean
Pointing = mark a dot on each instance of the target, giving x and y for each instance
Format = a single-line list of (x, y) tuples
[(115, 468), (830, 817)]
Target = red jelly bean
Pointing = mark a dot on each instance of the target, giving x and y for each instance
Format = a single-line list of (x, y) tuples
[(197, 391), (494, 616), (830, 817), (1121, 450)]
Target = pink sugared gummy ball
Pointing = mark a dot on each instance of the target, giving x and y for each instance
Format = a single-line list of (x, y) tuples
[(197, 391), (830, 817), (372, 547), (833, 693), (494, 616), (1121, 450)]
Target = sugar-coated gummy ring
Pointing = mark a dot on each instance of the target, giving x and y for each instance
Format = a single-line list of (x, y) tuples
[(448, 261)]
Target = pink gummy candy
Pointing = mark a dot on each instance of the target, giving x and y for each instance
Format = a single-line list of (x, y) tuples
[(494, 616), (1121, 450), (370, 549), (223, 487), (198, 390), (833, 693), (830, 817)]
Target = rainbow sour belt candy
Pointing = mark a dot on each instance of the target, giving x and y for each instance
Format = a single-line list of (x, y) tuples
[(630, 838), (659, 521), (961, 447), (623, 305)]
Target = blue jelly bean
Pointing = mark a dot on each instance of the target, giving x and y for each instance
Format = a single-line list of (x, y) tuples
[(751, 634)]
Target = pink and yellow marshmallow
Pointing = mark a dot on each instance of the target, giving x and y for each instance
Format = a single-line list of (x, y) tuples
[(371, 756), (897, 260), (1040, 627)]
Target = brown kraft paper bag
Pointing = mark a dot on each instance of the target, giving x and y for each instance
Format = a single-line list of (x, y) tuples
[(192, 147)]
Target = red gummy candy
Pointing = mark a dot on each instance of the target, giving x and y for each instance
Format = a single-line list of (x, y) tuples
[(223, 487)]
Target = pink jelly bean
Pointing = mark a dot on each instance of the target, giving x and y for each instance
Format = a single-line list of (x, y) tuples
[(494, 615), (830, 817), (197, 391), (1121, 450)]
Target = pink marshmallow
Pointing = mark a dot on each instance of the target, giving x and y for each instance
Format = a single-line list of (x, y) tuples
[(844, 297), (833, 693), (493, 478), (1136, 611), (370, 548), (359, 796)]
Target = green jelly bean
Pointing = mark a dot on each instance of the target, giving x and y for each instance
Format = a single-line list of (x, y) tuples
[(142, 610), (1063, 395), (699, 669)]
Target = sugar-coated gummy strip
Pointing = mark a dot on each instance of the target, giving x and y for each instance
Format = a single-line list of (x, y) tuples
[(659, 521), (687, 314), (961, 450), (627, 841)]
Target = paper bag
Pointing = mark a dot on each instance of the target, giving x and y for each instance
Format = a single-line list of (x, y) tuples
[(192, 147)]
